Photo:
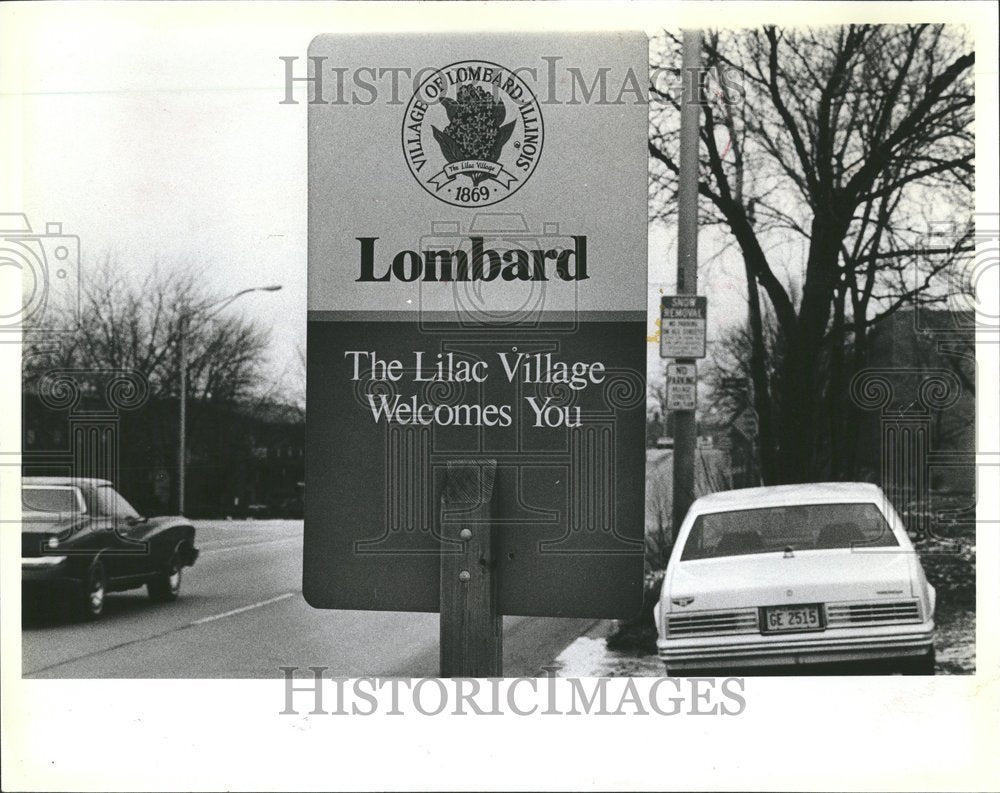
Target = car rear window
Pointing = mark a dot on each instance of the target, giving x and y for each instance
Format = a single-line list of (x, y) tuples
[(109, 502), (802, 527), (62, 500)]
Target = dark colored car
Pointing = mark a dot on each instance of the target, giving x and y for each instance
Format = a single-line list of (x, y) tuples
[(80, 540)]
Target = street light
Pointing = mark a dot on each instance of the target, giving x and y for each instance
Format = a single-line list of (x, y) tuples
[(185, 318)]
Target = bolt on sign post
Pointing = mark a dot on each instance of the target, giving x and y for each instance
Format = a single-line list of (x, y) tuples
[(476, 330)]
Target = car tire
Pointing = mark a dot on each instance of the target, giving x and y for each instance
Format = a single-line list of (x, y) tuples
[(166, 586), (923, 665), (90, 601)]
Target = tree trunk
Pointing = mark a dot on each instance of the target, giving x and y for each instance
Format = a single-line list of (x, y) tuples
[(801, 363), (761, 387), (797, 410), (836, 391), (854, 418)]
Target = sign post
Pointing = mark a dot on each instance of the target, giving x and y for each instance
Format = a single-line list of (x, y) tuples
[(471, 623), (476, 329), (679, 338)]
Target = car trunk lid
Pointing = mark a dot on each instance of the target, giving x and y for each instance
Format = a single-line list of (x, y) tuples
[(38, 529), (800, 577)]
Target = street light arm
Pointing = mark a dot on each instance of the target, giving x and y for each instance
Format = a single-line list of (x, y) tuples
[(186, 315), (220, 304)]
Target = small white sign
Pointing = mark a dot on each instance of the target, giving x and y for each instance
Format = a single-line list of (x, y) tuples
[(682, 326), (682, 386)]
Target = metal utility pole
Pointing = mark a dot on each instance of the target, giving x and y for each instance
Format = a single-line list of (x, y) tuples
[(181, 445), (685, 428), (184, 322)]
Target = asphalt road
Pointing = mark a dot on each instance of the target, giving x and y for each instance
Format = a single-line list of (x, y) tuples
[(241, 615)]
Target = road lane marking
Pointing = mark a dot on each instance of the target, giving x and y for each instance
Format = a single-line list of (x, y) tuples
[(240, 610), (153, 637), (250, 545)]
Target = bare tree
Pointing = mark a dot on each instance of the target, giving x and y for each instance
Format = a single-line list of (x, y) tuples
[(125, 324), (826, 151)]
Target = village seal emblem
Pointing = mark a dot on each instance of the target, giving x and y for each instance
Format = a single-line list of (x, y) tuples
[(472, 133)]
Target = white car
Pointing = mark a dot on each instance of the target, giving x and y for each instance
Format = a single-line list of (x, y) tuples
[(791, 575)]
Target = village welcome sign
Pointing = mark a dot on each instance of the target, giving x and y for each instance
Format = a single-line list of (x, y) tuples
[(477, 292)]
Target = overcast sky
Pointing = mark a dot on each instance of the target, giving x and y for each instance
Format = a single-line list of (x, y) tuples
[(157, 140)]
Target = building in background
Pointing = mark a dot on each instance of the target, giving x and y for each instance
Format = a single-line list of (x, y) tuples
[(243, 459)]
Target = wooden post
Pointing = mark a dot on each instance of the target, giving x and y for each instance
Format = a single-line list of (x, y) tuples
[(471, 624)]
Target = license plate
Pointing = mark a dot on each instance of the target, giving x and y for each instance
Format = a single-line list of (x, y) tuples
[(779, 619)]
